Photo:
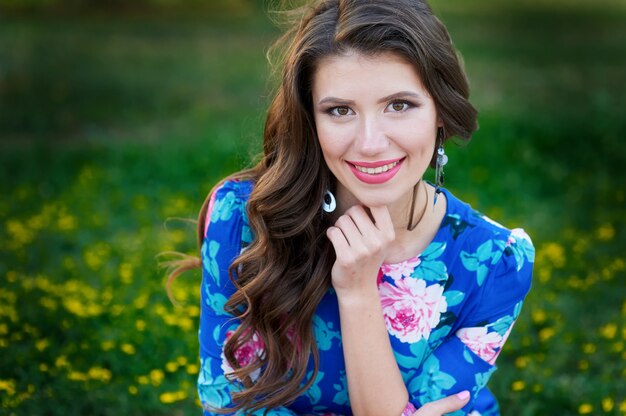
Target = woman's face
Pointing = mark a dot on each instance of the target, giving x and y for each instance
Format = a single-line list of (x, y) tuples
[(377, 127)]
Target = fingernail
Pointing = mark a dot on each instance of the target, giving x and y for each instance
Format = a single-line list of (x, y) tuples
[(464, 395)]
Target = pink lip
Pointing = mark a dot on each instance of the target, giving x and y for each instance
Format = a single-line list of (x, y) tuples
[(375, 178)]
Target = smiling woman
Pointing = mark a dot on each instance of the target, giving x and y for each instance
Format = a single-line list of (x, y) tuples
[(336, 280)]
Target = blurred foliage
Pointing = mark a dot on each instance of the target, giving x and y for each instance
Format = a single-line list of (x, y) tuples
[(116, 120)]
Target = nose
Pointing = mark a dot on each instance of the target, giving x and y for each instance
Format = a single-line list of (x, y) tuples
[(371, 138)]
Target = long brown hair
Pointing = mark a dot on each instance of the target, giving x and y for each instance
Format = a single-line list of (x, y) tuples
[(285, 272)]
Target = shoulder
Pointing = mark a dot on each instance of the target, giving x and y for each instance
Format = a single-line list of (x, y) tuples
[(475, 229), (495, 258), (227, 201)]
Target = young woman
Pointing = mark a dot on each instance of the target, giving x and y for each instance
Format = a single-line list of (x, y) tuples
[(335, 279)]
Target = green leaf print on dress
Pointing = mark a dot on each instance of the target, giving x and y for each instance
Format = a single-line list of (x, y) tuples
[(481, 260), (430, 268), (324, 333), (224, 207)]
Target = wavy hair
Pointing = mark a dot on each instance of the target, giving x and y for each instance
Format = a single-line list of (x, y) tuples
[(282, 276)]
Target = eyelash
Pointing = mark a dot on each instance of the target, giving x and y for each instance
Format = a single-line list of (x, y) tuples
[(408, 105)]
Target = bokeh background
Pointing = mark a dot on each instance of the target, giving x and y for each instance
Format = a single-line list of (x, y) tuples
[(117, 117)]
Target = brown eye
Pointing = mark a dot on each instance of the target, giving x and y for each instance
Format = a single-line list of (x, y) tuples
[(340, 111), (399, 106)]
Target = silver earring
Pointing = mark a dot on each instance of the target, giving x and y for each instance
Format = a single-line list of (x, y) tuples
[(441, 161), (329, 204)]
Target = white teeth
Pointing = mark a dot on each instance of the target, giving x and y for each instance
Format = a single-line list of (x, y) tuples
[(377, 170)]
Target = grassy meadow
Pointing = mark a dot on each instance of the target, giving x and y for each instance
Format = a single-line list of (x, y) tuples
[(114, 126)]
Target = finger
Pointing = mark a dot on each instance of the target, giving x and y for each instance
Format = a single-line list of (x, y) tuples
[(445, 405), (382, 218), (363, 222), (351, 232), (338, 240)]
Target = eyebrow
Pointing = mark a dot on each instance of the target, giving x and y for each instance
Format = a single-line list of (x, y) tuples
[(341, 101)]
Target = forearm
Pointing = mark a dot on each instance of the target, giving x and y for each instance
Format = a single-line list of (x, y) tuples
[(375, 384)]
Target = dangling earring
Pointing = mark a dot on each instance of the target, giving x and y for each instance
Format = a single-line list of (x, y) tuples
[(329, 204), (442, 160)]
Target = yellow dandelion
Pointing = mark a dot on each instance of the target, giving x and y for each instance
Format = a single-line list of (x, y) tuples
[(186, 323), (589, 348), (143, 380), (544, 274), (61, 361), (77, 376), (537, 388), (8, 386), (99, 373), (585, 409), (128, 348), (66, 222), (48, 303), (581, 245), (617, 346), (19, 233), (518, 385), (546, 333), (133, 390), (4, 329), (107, 345), (11, 276), (171, 397), (126, 273), (42, 344), (583, 365), (156, 377), (608, 331), (171, 366), (521, 362), (607, 404), (622, 406), (140, 324), (605, 232), (192, 369), (538, 316), (43, 367), (554, 253), (181, 360), (193, 311), (141, 301)]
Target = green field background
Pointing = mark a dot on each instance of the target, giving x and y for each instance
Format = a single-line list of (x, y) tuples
[(117, 118)]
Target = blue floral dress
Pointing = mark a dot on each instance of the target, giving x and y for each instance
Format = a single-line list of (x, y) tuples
[(448, 310)]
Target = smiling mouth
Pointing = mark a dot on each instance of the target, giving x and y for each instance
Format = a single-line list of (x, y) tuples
[(377, 170)]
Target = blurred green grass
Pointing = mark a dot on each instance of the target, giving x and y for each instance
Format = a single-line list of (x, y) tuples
[(112, 123)]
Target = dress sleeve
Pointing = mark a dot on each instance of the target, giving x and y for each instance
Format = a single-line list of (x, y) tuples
[(466, 359), (226, 234)]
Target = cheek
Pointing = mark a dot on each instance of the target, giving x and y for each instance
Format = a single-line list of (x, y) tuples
[(332, 141)]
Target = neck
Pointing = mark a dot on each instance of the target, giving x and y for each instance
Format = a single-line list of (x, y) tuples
[(407, 214)]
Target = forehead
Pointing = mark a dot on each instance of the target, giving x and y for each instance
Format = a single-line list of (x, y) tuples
[(353, 73)]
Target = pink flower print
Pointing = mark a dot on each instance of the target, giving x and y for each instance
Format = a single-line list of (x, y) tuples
[(246, 354), (400, 270), (486, 345), (411, 309), (409, 410)]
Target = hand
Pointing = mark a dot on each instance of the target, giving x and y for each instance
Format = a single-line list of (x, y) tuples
[(361, 246), (445, 405)]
